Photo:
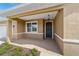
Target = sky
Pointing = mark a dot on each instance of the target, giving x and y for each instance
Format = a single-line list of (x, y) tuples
[(4, 6)]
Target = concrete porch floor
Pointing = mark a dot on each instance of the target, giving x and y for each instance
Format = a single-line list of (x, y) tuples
[(47, 47)]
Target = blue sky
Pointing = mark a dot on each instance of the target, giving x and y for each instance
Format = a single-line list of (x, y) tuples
[(4, 6)]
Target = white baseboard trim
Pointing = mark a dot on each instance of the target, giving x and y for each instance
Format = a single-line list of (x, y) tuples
[(73, 41)]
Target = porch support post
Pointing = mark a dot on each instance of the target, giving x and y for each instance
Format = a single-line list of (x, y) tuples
[(9, 30), (43, 28)]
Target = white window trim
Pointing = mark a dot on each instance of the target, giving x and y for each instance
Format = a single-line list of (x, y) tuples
[(31, 23)]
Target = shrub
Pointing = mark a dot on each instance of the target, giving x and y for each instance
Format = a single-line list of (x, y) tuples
[(29, 54), (34, 52), (17, 51)]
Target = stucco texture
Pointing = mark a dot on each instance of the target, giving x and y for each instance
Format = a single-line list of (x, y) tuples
[(58, 28), (71, 21)]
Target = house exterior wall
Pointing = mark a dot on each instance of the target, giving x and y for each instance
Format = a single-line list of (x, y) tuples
[(58, 28), (20, 26), (9, 30), (39, 34), (20, 29), (33, 36), (71, 21), (66, 29), (71, 29), (40, 25), (66, 26)]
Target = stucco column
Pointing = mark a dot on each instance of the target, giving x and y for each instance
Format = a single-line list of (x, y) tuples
[(58, 29), (9, 30)]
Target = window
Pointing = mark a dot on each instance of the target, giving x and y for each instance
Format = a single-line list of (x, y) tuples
[(31, 27), (34, 26), (28, 27)]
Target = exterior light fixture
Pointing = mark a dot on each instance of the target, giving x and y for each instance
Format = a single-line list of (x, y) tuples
[(48, 17)]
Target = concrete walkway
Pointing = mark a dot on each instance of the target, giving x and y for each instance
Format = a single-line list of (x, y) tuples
[(46, 47), (2, 40)]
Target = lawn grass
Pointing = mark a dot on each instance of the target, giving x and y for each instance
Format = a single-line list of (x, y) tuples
[(7, 49)]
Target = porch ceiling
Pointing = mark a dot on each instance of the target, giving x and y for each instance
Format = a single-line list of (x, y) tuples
[(38, 16)]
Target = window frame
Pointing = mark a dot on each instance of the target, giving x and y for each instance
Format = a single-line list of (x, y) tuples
[(31, 27)]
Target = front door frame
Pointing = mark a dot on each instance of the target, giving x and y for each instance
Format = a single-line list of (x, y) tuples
[(45, 28)]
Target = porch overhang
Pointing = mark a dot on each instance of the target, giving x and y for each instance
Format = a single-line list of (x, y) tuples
[(29, 9), (38, 11), (40, 16)]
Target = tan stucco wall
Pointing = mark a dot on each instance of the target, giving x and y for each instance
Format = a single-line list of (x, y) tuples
[(40, 25), (20, 28), (71, 29), (33, 36), (9, 30), (58, 23), (71, 49), (58, 28), (71, 21)]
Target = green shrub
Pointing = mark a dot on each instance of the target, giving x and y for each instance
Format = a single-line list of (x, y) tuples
[(29, 54), (17, 51), (34, 52)]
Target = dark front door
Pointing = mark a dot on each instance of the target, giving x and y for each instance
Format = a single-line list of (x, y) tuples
[(48, 29)]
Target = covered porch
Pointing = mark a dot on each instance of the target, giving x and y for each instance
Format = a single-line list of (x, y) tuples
[(37, 29)]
